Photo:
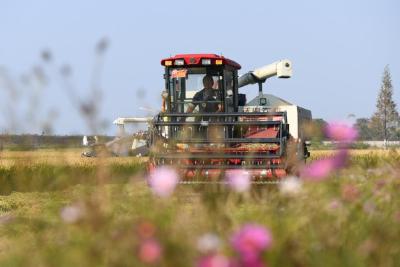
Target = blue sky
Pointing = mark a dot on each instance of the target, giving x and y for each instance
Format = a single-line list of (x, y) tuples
[(338, 48)]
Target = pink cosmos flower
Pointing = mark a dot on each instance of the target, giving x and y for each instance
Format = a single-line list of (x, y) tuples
[(150, 251), (163, 181), (213, 260), (341, 132), (340, 159), (238, 180), (320, 169), (350, 192), (250, 241)]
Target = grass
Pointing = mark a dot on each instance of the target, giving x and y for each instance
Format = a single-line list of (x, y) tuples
[(351, 219)]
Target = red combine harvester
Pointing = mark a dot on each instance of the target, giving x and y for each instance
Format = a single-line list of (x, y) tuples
[(206, 127)]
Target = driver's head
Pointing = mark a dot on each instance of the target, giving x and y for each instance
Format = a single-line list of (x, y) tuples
[(208, 81)]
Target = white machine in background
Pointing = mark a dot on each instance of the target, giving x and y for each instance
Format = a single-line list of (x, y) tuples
[(129, 144), (123, 144)]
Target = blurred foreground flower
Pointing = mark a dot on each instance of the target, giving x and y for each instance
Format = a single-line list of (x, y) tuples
[(150, 251), (350, 192), (341, 132), (214, 260), (320, 169), (339, 160), (290, 186), (334, 204), (146, 229), (163, 181), (208, 243), (238, 180), (250, 241), (72, 213), (317, 170)]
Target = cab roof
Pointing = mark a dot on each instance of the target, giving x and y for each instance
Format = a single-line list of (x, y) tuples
[(196, 59)]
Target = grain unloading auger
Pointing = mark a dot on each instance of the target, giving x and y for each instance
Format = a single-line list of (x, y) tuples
[(206, 127)]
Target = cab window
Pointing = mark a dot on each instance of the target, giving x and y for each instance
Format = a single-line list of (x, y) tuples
[(184, 83)]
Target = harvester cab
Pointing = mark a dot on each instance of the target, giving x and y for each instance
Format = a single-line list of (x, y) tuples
[(206, 127)]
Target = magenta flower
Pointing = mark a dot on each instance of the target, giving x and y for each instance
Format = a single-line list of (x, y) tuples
[(150, 251), (341, 132), (163, 181), (250, 241), (238, 180), (340, 158), (320, 169), (213, 260)]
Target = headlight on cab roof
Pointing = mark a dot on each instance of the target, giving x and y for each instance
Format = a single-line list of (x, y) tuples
[(179, 62), (206, 61)]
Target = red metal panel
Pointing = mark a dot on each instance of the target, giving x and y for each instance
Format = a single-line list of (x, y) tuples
[(265, 133)]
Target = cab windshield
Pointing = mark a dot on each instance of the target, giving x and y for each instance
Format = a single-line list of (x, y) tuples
[(184, 83)]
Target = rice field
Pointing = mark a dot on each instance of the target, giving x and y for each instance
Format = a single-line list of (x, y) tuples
[(59, 209)]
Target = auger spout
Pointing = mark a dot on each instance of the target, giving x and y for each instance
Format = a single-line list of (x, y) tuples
[(281, 69)]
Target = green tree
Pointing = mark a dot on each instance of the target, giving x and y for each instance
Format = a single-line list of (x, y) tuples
[(364, 130), (317, 129), (385, 121)]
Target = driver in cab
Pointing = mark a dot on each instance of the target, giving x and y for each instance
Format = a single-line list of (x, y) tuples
[(206, 98)]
